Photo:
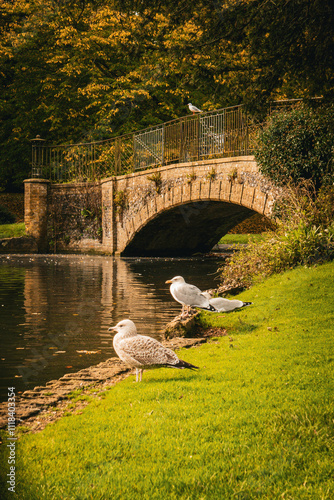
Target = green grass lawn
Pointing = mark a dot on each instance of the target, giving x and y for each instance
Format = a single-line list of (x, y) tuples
[(234, 239), (12, 230), (255, 422)]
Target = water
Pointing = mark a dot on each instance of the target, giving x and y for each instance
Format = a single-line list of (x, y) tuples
[(55, 311)]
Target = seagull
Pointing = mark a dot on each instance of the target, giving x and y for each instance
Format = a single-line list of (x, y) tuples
[(225, 305), (142, 352), (188, 296), (194, 109)]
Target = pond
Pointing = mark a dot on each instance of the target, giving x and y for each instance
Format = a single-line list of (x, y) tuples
[(55, 311)]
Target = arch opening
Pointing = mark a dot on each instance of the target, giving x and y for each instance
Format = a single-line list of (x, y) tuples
[(186, 229)]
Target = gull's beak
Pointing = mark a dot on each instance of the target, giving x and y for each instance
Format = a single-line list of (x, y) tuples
[(169, 281), (112, 328)]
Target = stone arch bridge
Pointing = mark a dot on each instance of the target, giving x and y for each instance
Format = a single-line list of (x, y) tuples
[(174, 210)]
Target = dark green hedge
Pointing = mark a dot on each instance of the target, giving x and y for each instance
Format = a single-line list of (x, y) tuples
[(6, 217), (298, 144)]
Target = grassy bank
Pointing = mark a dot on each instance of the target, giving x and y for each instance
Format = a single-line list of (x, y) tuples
[(256, 421), (233, 239), (12, 230)]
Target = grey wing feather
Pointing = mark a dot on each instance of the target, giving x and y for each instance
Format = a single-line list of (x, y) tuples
[(226, 305), (148, 351), (191, 295), (194, 288)]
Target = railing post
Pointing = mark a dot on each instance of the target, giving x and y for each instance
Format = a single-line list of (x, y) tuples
[(181, 140), (118, 157), (224, 131), (38, 153), (246, 134), (163, 145), (198, 137)]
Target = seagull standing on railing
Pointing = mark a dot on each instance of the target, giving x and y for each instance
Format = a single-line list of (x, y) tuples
[(194, 109)]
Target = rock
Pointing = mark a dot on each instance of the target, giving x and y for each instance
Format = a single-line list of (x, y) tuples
[(181, 327)]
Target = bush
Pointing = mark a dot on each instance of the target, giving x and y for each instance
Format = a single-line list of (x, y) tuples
[(6, 217), (12, 230), (304, 236), (297, 145)]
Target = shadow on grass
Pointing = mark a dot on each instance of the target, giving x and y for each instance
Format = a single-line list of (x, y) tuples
[(245, 328), (189, 377)]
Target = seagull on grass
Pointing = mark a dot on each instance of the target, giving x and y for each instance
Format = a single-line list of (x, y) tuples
[(188, 295), (142, 352), (225, 305), (193, 109)]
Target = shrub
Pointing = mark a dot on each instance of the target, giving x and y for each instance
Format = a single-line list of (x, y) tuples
[(304, 236), (120, 201), (298, 144), (6, 217), (156, 178), (211, 175), (12, 230)]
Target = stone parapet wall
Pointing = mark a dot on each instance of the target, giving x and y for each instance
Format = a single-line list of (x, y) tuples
[(75, 217), (64, 217)]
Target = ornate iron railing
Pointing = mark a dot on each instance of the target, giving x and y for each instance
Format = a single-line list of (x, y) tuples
[(221, 133)]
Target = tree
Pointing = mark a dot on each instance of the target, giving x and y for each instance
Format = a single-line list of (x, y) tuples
[(289, 45), (79, 70)]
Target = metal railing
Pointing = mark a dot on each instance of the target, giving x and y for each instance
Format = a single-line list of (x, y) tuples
[(221, 133)]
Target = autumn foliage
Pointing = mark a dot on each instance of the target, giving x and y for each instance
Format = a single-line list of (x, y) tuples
[(80, 70)]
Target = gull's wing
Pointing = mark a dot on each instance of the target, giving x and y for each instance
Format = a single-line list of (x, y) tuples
[(148, 351), (226, 305), (190, 295)]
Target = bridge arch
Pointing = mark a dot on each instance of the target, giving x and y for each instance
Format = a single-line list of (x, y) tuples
[(184, 208), (185, 229)]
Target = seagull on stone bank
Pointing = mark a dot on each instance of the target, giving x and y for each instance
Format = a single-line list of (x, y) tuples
[(142, 352), (193, 109), (188, 295), (225, 305)]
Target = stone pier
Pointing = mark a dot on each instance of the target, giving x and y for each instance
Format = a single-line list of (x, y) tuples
[(36, 211)]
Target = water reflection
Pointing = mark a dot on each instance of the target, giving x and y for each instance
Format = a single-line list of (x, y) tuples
[(56, 310)]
